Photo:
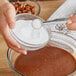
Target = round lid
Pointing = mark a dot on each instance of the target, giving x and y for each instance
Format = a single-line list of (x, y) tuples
[(30, 32)]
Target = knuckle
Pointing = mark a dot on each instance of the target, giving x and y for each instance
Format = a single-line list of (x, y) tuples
[(11, 21)]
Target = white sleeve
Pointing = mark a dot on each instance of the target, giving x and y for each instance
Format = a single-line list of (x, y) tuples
[(67, 8)]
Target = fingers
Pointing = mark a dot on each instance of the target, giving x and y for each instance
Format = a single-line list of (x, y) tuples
[(72, 18), (71, 26), (10, 14), (71, 22), (18, 50), (11, 43), (7, 19)]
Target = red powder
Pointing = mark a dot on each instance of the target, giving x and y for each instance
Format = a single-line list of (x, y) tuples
[(48, 61), (23, 7)]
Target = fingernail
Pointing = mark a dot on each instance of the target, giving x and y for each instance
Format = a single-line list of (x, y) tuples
[(18, 46), (25, 52), (69, 22), (71, 15), (12, 24)]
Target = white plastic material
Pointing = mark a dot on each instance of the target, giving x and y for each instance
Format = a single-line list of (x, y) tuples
[(37, 24), (29, 33)]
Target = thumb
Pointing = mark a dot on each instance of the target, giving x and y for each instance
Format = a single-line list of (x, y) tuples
[(10, 15)]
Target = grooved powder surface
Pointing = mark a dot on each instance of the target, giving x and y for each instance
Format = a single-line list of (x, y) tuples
[(48, 61)]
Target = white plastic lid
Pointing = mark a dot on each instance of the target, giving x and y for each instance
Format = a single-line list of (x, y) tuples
[(26, 33)]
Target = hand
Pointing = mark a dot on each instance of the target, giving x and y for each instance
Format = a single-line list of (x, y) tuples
[(71, 23), (7, 20)]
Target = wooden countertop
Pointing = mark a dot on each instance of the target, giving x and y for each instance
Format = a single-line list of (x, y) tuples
[(47, 8)]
